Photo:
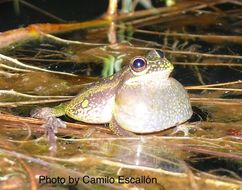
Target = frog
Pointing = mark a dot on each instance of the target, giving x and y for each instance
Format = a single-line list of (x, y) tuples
[(142, 98)]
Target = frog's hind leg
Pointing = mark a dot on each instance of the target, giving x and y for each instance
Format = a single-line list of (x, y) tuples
[(115, 127)]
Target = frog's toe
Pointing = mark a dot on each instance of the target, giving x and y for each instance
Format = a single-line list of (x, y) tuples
[(51, 126), (185, 129), (53, 123)]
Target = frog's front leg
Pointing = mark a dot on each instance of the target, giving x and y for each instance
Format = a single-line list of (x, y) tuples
[(118, 130), (50, 116)]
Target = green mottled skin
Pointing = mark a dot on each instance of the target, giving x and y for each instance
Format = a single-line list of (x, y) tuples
[(143, 102)]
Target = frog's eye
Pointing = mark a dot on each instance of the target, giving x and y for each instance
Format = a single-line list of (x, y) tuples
[(138, 64)]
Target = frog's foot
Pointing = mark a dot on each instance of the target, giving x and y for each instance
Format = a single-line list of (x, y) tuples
[(185, 129), (114, 126), (52, 122)]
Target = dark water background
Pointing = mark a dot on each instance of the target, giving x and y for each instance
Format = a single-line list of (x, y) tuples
[(70, 11)]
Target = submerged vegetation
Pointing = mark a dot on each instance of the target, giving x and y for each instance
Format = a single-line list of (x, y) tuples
[(46, 64)]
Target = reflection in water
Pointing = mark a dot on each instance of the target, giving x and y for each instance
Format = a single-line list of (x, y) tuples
[(146, 152)]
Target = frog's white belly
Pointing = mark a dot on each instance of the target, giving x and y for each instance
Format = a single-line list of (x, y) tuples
[(149, 106)]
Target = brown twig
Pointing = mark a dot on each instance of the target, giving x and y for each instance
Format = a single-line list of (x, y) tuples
[(208, 64), (218, 101), (207, 37), (20, 103), (33, 184), (29, 120), (219, 84), (216, 89)]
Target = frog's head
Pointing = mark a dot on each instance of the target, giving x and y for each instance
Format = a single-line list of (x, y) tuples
[(154, 64)]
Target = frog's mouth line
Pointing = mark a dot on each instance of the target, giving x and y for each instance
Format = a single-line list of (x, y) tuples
[(156, 75)]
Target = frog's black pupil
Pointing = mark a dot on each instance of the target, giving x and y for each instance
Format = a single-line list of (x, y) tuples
[(138, 63)]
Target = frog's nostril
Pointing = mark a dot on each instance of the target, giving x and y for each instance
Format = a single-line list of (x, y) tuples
[(138, 64), (161, 54)]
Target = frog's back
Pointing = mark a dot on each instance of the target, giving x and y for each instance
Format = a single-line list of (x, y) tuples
[(158, 105)]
